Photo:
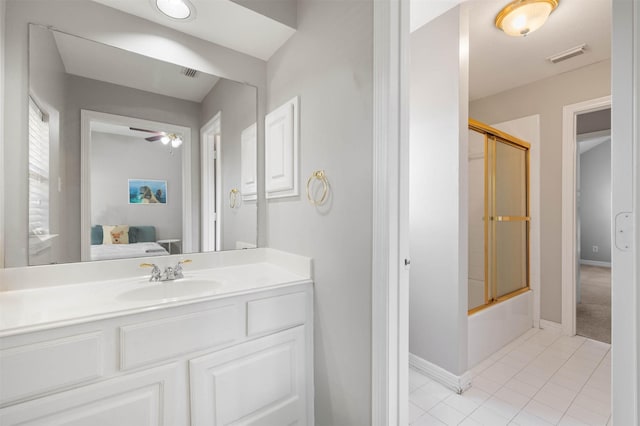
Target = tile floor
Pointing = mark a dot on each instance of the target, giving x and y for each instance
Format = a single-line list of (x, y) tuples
[(540, 379)]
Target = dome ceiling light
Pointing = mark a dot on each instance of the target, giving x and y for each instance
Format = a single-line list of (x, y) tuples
[(175, 9), (522, 17)]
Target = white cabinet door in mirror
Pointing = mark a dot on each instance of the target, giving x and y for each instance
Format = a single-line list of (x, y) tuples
[(248, 145), (281, 145)]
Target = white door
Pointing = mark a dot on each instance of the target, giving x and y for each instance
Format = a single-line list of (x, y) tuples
[(210, 138)]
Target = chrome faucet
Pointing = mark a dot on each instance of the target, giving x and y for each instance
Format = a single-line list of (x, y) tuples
[(169, 273), (156, 274)]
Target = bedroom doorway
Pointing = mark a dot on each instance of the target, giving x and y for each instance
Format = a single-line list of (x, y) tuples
[(593, 206), (211, 154)]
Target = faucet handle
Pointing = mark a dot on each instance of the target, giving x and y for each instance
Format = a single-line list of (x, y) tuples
[(182, 262), (155, 272)]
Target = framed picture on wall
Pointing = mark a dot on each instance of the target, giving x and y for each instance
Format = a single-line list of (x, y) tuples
[(147, 191)]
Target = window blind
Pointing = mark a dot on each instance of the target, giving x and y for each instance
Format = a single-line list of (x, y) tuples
[(38, 179)]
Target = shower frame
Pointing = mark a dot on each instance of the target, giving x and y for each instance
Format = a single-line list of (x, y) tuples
[(499, 136)]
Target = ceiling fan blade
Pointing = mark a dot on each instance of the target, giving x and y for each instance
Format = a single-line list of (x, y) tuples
[(135, 129), (154, 138)]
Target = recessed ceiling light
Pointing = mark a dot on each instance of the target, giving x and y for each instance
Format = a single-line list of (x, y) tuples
[(522, 17), (176, 9)]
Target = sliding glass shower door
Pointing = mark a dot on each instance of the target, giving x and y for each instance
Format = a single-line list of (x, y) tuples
[(505, 215)]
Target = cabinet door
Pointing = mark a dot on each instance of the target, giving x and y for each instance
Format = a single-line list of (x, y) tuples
[(144, 399), (261, 382)]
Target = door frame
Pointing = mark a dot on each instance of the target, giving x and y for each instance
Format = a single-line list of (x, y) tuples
[(86, 118), (569, 206), (207, 144)]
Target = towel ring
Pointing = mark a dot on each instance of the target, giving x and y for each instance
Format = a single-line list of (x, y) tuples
[(322, 177), (233, 198)]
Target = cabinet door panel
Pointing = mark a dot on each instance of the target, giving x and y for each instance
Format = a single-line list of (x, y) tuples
[(145, 399), (46, 366), (261, 382)]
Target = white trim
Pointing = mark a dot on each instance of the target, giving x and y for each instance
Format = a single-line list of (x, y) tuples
[(569, 253), (447, 379), (86, 117), (390, 299), (212, 126), (550, 325), (595, 263)]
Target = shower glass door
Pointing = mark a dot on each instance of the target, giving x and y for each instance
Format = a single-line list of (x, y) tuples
[(505, 215)]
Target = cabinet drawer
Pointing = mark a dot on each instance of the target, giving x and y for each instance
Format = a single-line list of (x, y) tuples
[(276, 313), (154, 341), (46, 366)]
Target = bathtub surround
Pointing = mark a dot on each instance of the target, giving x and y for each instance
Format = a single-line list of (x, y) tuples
[(546, 98)]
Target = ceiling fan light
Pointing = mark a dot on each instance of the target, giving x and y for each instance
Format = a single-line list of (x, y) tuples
[(165, 139), (522, 17), (176, 142), (176, 9)]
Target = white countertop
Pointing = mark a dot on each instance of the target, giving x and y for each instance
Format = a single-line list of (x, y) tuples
[(37, 308)]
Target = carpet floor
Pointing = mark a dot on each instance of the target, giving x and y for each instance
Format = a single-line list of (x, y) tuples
[(593, 313)]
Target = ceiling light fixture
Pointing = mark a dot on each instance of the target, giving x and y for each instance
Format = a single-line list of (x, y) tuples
[(176, 9), (522, 17)]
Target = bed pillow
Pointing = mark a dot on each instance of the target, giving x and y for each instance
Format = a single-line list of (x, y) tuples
[(145, 234), (96, 235), (115, 234)]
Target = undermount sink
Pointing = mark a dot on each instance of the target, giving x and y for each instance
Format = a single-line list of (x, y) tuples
[(176, 289)]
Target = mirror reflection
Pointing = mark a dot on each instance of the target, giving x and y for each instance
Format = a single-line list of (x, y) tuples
[(130, 156)]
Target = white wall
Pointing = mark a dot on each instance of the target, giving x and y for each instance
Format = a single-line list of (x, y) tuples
[(237, 102), (439, 191), (546, 98), (328, 63), (117, 158), (595, 203)]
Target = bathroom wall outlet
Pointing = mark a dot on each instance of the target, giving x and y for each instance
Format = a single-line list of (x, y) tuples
[(594, 249)]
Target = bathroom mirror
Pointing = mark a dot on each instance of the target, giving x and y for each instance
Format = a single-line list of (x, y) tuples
[(114, 151)]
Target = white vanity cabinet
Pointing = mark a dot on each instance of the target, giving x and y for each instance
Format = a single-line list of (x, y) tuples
[(238, 360)]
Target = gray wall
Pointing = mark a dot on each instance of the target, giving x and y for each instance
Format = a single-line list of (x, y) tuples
[(47, 88), (103, 24), (438, 192), (328, 63), (595, 203), (2, 180), (547, 97), (238, 105), (117, 158)]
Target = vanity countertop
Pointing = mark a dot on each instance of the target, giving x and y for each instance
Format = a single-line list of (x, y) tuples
[(41, 307)]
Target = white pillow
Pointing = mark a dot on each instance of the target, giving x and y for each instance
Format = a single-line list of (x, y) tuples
[(115, 234)]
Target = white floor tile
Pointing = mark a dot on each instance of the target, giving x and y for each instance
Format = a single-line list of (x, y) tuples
[(570, 421), (505, 409), (416, 379), (500, 372), (427, 420), (424, 399), (587, 416), (487, 417), (521, 387), (446, 414), (485, 384), (462, 403), (526, 419), (555, 396), (470, 422), (414, 412), (512, 397), (543, 411)]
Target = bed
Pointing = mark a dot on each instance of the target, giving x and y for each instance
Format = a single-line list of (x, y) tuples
[(140, 242)]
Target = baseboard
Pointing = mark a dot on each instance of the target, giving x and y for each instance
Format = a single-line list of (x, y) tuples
[(550, 325), (456, 383), (595, 263)]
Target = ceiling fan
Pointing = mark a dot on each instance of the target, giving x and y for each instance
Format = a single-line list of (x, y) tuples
[(163, 137)]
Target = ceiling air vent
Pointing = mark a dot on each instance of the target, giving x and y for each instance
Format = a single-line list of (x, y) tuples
[(569, 53), (190, 72)]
